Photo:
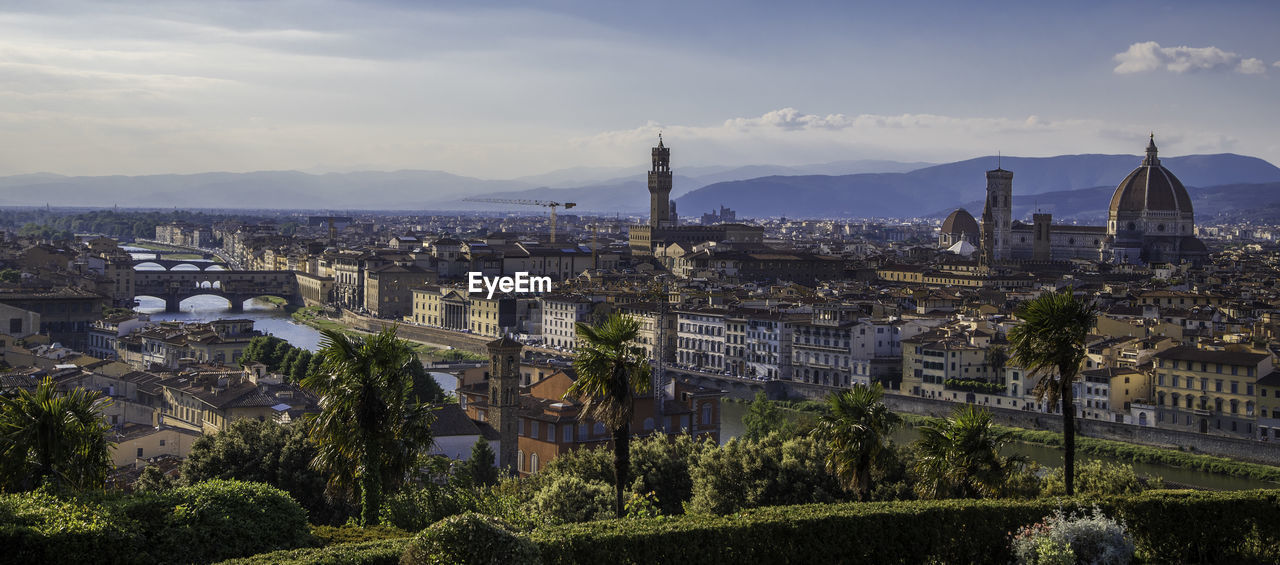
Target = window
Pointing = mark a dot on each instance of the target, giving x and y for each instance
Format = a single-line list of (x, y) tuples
[(520, 460), (533, 462), (139, 452), (533, 428), (568, 434)]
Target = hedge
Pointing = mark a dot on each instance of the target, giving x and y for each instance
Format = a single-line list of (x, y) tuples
[(1134, 453), (381, 552), (1166, 526)]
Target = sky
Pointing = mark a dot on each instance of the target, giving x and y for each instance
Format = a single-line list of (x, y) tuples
[(504, 89)]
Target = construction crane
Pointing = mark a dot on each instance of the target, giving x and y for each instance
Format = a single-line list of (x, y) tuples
[(544, 203)]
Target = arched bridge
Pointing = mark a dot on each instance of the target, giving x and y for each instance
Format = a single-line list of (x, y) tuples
[(169, 264), (736, 387), (160, 258), (236, 286)]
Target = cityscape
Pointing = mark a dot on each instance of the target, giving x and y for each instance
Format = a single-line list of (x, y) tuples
[(250, 322)]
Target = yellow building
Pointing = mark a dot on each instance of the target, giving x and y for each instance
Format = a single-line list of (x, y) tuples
[(1211, 392), (491, 317), (1269, 407)]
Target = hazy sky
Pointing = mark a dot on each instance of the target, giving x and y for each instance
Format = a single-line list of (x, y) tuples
[(498, 90)]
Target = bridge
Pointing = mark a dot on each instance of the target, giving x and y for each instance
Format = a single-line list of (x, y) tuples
[(236, 286), (744, 388), (206, 259)]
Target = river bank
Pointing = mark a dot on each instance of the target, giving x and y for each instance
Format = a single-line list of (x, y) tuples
[(1044, 447)]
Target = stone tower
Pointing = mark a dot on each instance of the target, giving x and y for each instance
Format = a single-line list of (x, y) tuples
[(1042, 239), (997, 217), (504, 397), (660, 187)]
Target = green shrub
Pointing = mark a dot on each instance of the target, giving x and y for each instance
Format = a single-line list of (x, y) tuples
[(1095, 478), (472, 539), (570, 499), (381, 552), (220, 519), (747, 474), (415, 508), (40, 527), (1166, 527)]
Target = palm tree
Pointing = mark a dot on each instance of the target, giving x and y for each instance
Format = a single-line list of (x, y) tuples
[(1050, 342), (369, 430), (57, 437), (857, 428), (612, 370), (960, 456)]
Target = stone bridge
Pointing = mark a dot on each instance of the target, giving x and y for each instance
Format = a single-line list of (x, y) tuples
[(169, 264), (236, 286), (744, 388)]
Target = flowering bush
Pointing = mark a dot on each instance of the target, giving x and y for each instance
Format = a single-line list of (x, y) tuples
[(1092, 539)]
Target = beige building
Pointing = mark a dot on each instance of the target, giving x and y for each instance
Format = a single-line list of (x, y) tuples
[(388, 289), (136, 443), (1210, 392)]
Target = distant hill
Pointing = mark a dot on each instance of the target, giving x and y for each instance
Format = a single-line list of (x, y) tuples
[(946, 187), (411, 190), (629, 193), (859, 188)]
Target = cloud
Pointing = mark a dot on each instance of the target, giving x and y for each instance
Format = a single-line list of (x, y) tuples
[(1150, 56), (788, 136)]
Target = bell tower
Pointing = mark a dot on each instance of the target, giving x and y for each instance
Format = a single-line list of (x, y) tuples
[(660, 187), (504, 398), (997, 217)]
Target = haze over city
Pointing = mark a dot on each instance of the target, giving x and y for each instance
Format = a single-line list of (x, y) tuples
[(501, 90)]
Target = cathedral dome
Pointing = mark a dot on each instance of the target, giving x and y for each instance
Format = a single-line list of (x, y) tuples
[(960, 222), (1150, 187)]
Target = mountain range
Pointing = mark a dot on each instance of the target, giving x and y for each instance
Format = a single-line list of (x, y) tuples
[(1070, 186)]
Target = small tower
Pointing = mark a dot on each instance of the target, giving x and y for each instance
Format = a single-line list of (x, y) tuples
[(997, 217), (504, 397), (1042, 239), (660, 187)]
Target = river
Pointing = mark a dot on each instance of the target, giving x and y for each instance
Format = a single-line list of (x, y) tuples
[(267, 317), (731, 426)]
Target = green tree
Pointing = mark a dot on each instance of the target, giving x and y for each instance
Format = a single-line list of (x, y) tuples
[(264, 452), (764, 417), (280, 349), (153, 479), (369, 430), (425, 387), (51, 436), (770, 472), (612, 371), (483, 472), (857, 428), (286, 362), (300, 366), (1050, 342), (960, 456)]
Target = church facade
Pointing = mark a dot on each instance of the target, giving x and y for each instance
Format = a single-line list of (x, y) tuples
[(1150, 220)]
